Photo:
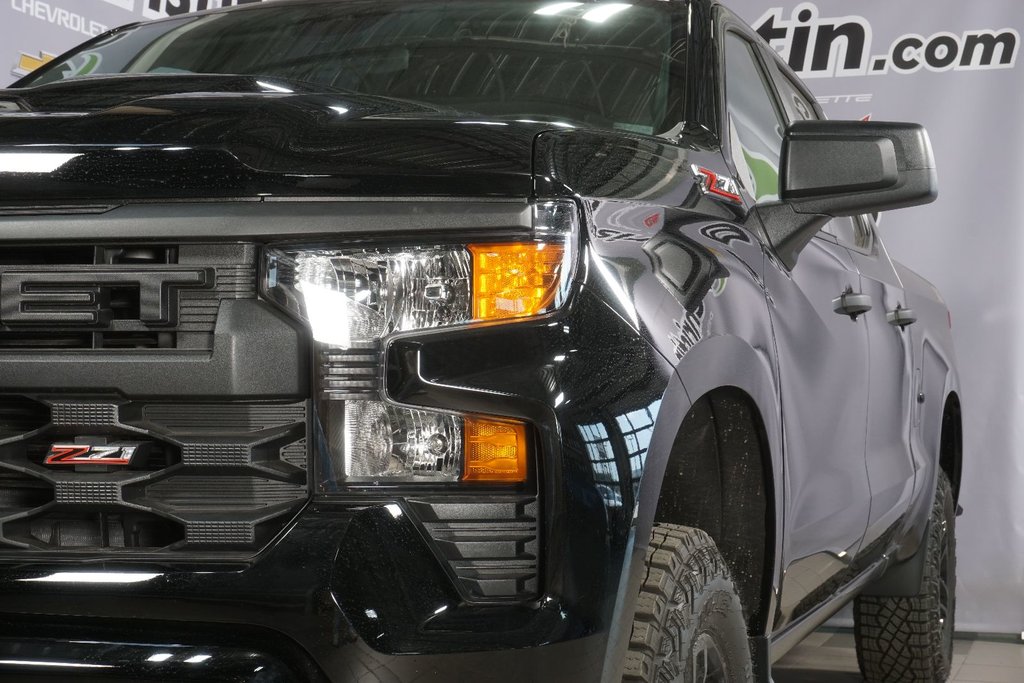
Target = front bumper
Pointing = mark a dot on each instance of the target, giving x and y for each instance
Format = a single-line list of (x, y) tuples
[(358, 587), (348, 594)]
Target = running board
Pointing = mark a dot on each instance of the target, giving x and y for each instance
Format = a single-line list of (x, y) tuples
[(788, 638)]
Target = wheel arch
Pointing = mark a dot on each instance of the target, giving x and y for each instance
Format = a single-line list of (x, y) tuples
[(727, 376), (951, 442)]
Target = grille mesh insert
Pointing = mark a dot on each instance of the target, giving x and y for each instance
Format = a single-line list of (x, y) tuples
[(205, 479)]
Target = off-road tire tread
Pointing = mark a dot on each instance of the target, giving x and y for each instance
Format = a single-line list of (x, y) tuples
[(897, 638), (681, 561)]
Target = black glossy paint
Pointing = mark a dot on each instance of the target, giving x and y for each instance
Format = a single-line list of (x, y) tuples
[(157, 137), (677, 294)]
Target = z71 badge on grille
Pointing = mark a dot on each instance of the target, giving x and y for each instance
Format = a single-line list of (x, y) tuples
[(82, 454)]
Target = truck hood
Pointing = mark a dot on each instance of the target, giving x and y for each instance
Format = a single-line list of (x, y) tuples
[(121, 138)]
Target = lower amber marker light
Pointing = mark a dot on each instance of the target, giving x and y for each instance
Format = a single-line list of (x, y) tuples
[(495, 450)]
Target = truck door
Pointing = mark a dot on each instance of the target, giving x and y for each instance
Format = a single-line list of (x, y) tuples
[(822, 356), (890, 466), (891, 471)]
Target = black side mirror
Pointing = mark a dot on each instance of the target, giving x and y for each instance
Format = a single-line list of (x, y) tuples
[(845, 168)]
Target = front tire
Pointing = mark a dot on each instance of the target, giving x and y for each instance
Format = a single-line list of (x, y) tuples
[(910, 640), (688, 626)]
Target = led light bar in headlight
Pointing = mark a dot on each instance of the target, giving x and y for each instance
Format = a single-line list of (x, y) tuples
[(357, 297), (353, 299)]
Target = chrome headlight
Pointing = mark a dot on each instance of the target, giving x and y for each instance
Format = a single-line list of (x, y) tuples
[(354, 299)]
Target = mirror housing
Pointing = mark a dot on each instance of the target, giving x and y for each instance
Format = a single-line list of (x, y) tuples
[(845, 168)]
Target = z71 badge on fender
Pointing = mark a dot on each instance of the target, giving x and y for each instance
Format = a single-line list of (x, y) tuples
[(83, 454)]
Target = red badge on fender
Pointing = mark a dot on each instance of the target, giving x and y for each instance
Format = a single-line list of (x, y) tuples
[(82, 454)]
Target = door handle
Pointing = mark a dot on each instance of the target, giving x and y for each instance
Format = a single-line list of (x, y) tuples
[(851, 304), (901, 317)]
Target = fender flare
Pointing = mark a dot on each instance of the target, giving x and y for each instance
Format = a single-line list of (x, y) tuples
[(716, 362)]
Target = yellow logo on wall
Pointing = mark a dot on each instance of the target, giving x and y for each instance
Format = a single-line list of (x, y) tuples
[(27, 63)]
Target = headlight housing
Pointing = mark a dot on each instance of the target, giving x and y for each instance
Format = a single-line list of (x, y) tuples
[(355, 299)]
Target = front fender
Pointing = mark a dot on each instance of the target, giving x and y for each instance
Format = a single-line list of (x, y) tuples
[(721, 361)]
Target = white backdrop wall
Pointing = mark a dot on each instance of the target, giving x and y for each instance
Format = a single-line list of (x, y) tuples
[(950, 65)]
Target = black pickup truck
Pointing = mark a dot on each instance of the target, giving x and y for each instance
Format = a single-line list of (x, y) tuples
[(461, 340)]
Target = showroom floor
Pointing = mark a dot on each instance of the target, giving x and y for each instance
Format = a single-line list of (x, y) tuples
[(828, 657)]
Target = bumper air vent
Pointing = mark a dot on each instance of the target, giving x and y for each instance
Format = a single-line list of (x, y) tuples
[(490, 547)]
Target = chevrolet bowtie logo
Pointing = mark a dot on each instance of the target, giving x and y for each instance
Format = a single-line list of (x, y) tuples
[(27, 63)]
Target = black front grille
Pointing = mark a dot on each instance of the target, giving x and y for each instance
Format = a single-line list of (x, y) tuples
[(209, 474), (207, 479), (20, 416), (119, 297), (110, 529), (20, 492)]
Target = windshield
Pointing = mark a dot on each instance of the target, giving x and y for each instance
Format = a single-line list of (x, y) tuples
[(606, 64)]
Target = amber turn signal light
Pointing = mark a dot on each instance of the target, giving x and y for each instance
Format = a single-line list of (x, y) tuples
[(495, 450), (515, 280)]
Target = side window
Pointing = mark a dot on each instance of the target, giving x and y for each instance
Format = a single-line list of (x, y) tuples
[(843, 229), (865, 233), (755, 129), (798, 107), (853, 231)]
